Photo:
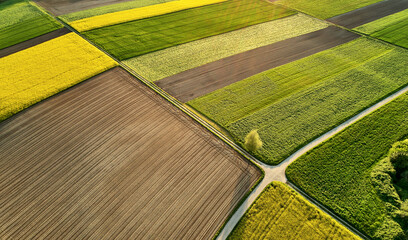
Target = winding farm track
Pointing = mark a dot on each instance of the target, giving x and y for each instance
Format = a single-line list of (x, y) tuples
[(207, 78), (369, 13), (109, 158), (61, 7), (277, 173), (32, 42)]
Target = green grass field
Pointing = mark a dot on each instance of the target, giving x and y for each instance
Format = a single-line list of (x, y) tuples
[(281, 213), (147, 35), (324, 9), (110, 9), (292, 104), (337, 173), (173, 60), (21, 21), (393, 28)]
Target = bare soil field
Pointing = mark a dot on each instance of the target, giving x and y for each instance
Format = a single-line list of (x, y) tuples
[(109, 158), (199, 81), (60, 7), (32, 42), (370, 13)]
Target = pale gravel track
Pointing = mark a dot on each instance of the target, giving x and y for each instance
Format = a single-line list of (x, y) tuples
[(277, 173)]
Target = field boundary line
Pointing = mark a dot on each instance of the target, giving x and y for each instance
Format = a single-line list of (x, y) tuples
[(269, 173)]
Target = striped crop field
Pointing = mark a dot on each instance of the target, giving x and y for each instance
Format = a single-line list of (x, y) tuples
[(109, 9), (170, 61), (292, 104), (110, 159), (36, 73), (21, 20), (138, 13), (324, 9), (393, 28), (139, 37), (338, 172), (281, 213)]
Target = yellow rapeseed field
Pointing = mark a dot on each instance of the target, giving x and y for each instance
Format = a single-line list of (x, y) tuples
[(138, 13), (36, 73)]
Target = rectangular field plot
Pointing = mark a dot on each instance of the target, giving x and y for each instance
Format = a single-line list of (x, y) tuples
[(110, 159), (393, 28), (59, 7), (281, 213), (324, 9), (292, 104), (139, 37), (36, 73), (170, 61), (338, 173), (21, 21), (109, 9), (138, 13)]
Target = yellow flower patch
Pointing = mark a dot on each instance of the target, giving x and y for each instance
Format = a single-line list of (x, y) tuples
[(138, 13), (36, 73)]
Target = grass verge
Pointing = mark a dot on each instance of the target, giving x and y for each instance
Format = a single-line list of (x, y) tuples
[(36, 73), (139, 37), (21, 21), (281, 213), (292, 104), (170, 61), (337, 173)]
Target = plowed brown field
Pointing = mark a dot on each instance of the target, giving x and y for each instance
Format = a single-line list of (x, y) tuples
[(207, 78), (109, 158)]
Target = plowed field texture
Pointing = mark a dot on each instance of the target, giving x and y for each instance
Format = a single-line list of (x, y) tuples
[(337, 173), (22, 20), (292, 104), (281, 213), (393, 28), (110, 159), (170, 61), (36, 73), (324, 9), (139, 37)]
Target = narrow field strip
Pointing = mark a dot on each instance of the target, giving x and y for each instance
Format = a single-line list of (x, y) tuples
[(393, 28), (32, 42), (292, 104), (210, 77), (21, 21), (281, 213), (98, 160), (138, 13), (167, 62), (139, 37), (324, 9), (36, 73), (337, 173), (369, 13), (109, 9)]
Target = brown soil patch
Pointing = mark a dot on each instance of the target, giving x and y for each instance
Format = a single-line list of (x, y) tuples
[(32, 42), (61, 7), (110, 159), (199, 81), (369, 13)]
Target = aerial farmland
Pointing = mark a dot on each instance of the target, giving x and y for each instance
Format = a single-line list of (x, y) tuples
[(210, 119)]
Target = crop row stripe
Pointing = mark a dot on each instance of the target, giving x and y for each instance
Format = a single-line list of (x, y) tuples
[(138, 13)]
